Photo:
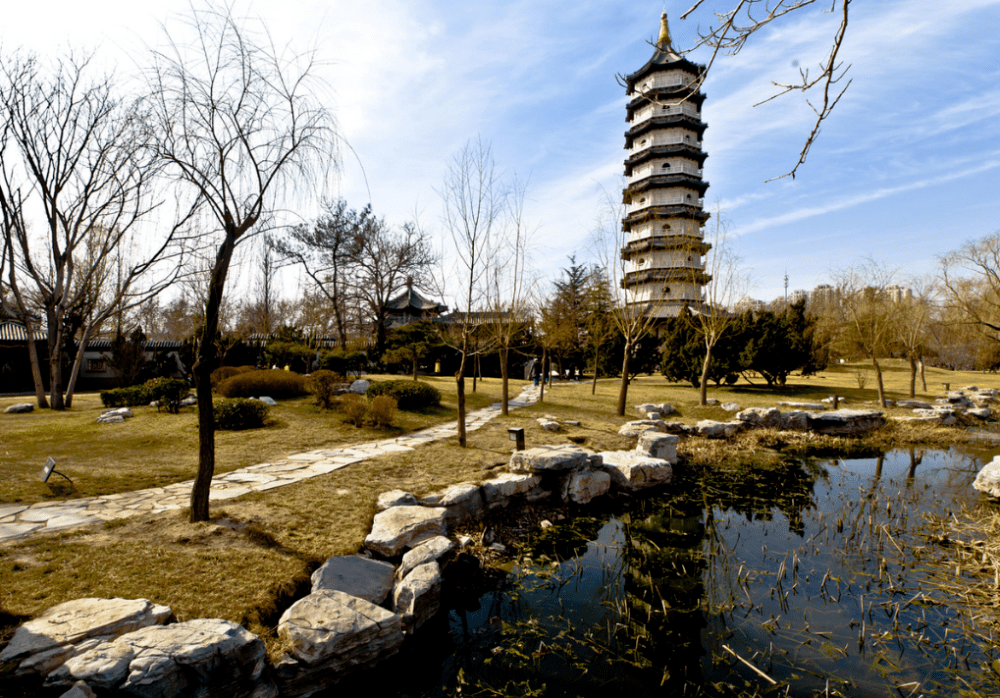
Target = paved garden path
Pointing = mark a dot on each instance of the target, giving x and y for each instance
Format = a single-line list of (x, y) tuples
[(17, 520)]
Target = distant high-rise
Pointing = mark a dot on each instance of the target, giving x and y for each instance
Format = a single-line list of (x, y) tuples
[(664, 248)]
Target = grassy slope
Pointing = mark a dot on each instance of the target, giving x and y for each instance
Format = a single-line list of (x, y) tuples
[(242, 565)]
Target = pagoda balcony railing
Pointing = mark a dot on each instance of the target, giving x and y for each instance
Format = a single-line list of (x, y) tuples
[(676, 140), (648, 170), (665, 201), (655, 110), (655, 81)]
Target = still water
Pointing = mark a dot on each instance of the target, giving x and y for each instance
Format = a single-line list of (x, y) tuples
[(812, 578)]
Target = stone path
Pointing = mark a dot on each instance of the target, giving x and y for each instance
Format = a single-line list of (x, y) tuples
[(17, 520)]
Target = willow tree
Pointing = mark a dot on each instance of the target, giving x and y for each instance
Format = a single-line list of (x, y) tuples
[(239, 128)]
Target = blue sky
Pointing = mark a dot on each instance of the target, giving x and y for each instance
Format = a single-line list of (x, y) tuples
[(906, 169)]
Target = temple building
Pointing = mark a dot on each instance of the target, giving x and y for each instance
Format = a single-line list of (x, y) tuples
[(664, 249)]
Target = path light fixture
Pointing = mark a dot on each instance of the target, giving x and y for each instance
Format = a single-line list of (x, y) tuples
[(516, 434)]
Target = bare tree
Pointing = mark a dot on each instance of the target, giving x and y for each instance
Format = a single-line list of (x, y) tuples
[(75, 158), (727, 283), (473, 202), (237, 125), (509, 286), (869, 314), (970, 277), (915, 314)]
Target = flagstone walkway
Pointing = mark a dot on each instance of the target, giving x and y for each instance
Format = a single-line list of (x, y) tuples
[(17, 520)]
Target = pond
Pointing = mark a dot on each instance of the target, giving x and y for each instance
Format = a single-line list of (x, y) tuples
[(812, 578)]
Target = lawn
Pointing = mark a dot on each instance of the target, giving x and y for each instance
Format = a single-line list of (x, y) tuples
[(258, 550)]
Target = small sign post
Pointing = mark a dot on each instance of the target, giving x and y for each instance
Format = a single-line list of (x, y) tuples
[(49, 468), (516, 435)]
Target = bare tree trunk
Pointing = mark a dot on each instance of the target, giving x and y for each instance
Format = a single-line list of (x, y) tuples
[(913, 376), (504, 352), (703, 384), (460, 387), (923, 378), (593, 385), (202, 369), (36, 371), (77, 363), (878, 378), (623, 392), (55, 363), (541, 393)]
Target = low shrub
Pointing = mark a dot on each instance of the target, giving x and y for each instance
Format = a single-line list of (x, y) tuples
[(382, 410), (409, 395), (273, 383), (168, 392), (235, 414), (223, 372), (132, 396), (355, 409), (323, 386), (343, 362)]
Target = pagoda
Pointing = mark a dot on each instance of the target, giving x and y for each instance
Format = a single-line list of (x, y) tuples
[(664, 249)]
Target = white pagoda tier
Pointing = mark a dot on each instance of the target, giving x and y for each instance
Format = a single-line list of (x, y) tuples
[(664, 249)]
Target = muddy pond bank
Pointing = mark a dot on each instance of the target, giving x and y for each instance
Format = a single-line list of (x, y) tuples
[(809, 577)]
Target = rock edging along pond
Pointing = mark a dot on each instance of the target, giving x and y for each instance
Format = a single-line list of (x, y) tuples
[(360, 610)]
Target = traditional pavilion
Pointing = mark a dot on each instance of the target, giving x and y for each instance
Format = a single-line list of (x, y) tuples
[(664, 250), (410, 306)]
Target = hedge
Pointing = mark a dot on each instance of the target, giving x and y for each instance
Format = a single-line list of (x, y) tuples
[(272, 383), (409, 395)]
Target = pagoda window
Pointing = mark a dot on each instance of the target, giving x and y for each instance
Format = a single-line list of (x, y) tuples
[(666, 165)]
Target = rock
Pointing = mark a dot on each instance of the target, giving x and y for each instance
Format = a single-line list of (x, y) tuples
[(711, 429), (981, 412), (730, 407), (203, 657), (971, 387), (498, 548), (189, 401), (465, 541), (582, 486), (356, 575), (463, 502), (637, 427), (498, 491), (814, 406), (796, 420), (630, 470), (269, 401), (543, 459), (913, 404), (571, 423), (545, 523), (846, 422), (359, 386), (428, 551), (653, 416), (711, 401), (20, 408), (418, 596), (402, 527), (331, 633), (110, 419), (45, 642), (988, 479), (548, 424), (79, 690), (396, 498), (766, 417), (657, 445), (676, 428), (123, 411), (663, 408)]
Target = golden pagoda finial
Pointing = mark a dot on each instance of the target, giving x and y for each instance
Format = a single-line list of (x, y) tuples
[(664, 41)]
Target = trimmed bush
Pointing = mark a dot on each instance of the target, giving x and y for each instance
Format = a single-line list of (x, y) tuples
[(355, 409), (409, 395), (133, 396), (323, 386), (382, 410), (223, 372), (273, 383), (168, 392), (235, 414), (343, 362)]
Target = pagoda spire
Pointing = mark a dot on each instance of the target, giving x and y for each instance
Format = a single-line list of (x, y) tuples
[(663, 42)]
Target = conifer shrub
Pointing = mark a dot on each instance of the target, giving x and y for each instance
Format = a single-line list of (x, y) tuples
[(355, 409), (236, 414), (323, 386), (409, 395), (223, 372), (167, 392), (382, 410), (273, 383)]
